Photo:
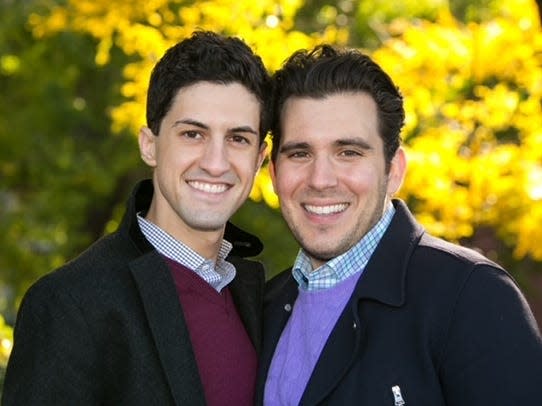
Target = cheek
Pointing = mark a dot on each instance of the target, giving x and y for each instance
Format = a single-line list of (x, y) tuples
[(170, 155), (246, 168), (289, 186), (175, 163), (362, 183)]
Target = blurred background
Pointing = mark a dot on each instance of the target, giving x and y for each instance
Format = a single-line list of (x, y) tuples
[(73, 76)]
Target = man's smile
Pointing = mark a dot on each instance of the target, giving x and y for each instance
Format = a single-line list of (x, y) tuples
[(326, 209), (206, 187)]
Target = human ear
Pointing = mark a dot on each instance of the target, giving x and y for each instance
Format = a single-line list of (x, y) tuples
[(147, 146), (397, 171)]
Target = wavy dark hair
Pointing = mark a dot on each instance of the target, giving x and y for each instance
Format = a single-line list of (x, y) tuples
[(327, 70), (207, 56)]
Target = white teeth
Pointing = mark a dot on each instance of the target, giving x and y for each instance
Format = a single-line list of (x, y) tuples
[(332, 209), (209, 187)]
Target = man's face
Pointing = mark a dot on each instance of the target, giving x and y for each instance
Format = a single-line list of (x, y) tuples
[(204, 159), (330, 173)]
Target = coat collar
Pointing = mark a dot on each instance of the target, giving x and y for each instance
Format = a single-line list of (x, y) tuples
[(384, 276), (244, 244), (161, 304), (383, 280)]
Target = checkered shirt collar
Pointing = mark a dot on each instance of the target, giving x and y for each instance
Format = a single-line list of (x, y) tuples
[(218, 274), (345, 265)]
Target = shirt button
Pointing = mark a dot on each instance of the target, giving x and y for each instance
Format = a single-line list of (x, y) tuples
[(288, 307)]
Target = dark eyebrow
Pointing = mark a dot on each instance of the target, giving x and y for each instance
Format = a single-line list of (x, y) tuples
[(196, 123), (357, 142), (285, 148), (343, 142), (189, 121), (244, 129)]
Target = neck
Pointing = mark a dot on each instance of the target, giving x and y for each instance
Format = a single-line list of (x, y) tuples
[(205, 242)]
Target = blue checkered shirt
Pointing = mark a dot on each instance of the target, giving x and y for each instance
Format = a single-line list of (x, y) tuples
[(339, 268), (218, 274)]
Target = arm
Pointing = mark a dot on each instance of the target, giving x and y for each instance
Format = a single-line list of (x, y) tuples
[(493, 354), (54, 360)]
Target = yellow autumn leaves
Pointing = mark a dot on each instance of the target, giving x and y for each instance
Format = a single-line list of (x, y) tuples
[(474, 125), (473, 96)]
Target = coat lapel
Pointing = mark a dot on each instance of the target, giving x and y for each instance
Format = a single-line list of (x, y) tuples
[(339, 353), (280, 296), (168, 327), (383, 280)]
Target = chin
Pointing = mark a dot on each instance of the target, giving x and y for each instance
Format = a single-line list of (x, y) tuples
[(208, 224), (323, 254), (212, 227)]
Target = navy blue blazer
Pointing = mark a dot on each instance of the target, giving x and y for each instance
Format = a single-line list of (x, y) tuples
[(108, 329), (441, 324)]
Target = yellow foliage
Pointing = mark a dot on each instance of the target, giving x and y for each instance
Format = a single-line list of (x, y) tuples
[(473, 127), (263, 188), (9, 64), (6, 341), (148, 28), (472, 96)]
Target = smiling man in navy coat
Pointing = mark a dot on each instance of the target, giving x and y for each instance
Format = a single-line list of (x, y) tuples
[(165, 311), (375, 311)]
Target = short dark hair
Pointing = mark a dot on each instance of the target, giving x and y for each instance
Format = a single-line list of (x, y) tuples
[(207, 56), (327, 70)]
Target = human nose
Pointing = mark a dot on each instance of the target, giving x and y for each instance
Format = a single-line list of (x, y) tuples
[(215, 158), (322, 174)]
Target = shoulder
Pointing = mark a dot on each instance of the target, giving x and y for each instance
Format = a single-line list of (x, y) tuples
[(442, 250), (408, 241), (94, 271), (439, 258), (454, 268), (471, 284)]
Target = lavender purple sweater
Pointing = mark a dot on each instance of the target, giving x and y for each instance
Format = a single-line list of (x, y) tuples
[(313, 317)]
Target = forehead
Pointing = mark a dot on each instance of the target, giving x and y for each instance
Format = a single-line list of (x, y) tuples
[(208, 98), (339, 115)]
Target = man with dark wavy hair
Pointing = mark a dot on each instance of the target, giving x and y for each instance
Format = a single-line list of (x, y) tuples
[(375, 311), (165, 311)]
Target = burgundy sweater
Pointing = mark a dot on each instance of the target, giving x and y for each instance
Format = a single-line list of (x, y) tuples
[(225, 355)]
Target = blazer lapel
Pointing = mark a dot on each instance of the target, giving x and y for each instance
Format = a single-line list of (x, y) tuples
[(169, 330)]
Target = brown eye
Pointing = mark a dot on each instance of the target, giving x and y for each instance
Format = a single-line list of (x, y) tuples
[(350, 153), (240, 139), (191, 134), (298, 154)]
